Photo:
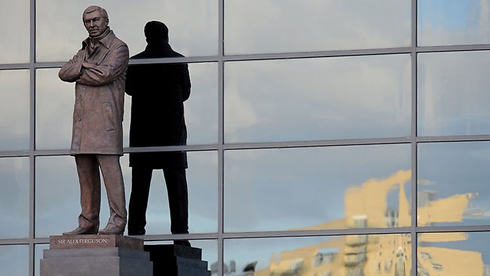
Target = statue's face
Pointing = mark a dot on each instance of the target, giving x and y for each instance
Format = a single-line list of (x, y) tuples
[(94, 23)]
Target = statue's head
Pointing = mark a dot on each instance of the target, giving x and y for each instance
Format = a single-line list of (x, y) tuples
[(95, 20)]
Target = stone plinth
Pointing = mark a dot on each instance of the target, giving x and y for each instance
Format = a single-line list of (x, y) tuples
[(177, 260), (108, 255)]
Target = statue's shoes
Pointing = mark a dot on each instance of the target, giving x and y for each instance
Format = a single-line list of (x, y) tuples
[(81, 231), (111, 229)]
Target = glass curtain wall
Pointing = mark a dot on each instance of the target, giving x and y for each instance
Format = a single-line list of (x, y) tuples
[(324, 137)]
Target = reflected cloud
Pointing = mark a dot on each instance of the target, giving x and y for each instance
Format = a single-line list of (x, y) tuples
[(453, 101), (315, 99), (14, 110), (314, 25)]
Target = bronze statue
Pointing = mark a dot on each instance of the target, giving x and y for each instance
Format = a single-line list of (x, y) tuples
[(99, 71), (157, 119)]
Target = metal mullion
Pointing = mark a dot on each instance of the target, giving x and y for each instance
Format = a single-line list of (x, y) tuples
[(453, 48), (319, 54), (317, 233), (454, 228), (413, 138), (221, 71), (32, 139)]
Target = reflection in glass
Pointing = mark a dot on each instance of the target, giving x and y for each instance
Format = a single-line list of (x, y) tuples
[(453, 254), (317, 188), (315, 99), (454, 101), (14, 260), (309, 25), (15, 40), (453, 22), (367, 255), (453, 184), (38, 255), (196, 37), (201, 109), (14, 198), (14, 110), (203, 196)]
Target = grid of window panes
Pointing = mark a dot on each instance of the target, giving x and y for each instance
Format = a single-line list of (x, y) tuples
[(324, 137)]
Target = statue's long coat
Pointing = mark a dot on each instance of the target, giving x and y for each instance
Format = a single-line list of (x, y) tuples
[(99, 96), (157, 107)]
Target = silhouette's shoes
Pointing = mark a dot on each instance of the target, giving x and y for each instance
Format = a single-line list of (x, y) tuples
[(82, 231), (182, 242), (111, 229)]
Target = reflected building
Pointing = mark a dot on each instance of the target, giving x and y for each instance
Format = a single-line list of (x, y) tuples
[(366, 206)]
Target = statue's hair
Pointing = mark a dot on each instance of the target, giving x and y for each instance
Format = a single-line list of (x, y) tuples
[(103, 12)]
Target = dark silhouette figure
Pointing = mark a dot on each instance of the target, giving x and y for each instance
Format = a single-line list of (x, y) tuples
[(157, 119)]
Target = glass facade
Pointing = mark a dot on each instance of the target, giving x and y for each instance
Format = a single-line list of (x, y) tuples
[(324, 137)]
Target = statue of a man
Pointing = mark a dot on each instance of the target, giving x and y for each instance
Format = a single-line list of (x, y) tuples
[(99, 71)]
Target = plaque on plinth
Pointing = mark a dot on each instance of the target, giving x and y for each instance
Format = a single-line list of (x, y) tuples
[(108, 255), (177, 260)]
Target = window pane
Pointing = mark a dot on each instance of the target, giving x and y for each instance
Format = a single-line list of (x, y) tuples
[(453, 101), (201, 109), (15, 40), (317, 188), (14, 260), (196, 37), (453, 254), (316, 99), (343, 255), (202, 185), (453, 22), (14, 198), (453, 184), (58, 194), (311, 25), (54, 110), (14, 110), (38, 254), (57, 212)]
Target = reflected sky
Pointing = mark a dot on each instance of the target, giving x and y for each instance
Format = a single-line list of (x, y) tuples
[(315, 99), (453, 22), (14, 260), (453, 183), (196, 37), (314, 25), (14, 110), (15, 49), (344, 255), (14, 197), (316, 188), (454, 101)]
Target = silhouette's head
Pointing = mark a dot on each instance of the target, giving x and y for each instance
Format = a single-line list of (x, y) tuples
[(156, 31), (95, 20)]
